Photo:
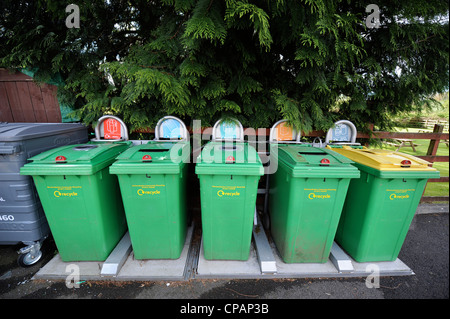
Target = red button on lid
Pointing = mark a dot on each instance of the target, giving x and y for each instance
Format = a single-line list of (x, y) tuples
[(60, 158), (230, 159), (406, 163), (147, 158)]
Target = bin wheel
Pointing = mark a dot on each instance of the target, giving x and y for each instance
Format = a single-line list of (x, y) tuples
[(29, 259)]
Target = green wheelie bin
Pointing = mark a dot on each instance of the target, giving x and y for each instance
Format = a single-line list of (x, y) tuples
[(81, 200), (381, 204), (229, 171), (229, 175), (152, 180), (307, 193)]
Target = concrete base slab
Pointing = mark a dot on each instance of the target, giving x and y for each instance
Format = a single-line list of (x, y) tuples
[(250, 269), (228, 268), (131, 269), (157, 269), (192, 264), (384, 268), (58, 269)]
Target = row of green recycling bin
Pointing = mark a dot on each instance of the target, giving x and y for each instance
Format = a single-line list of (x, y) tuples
[(364, 199), (92, 193)]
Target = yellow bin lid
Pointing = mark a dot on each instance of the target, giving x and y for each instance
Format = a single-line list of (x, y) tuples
[(383, 160)]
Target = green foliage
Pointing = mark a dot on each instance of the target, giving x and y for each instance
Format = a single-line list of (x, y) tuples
[(312, 62)]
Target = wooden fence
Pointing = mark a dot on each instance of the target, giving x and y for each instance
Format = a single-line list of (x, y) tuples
[(22, 100), (428, 123)]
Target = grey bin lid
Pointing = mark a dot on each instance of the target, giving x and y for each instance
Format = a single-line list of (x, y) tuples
[(13, 132)]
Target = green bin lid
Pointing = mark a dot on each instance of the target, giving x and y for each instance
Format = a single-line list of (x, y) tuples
[(222, 158), (307, 161), (78, 159), (152, 158)]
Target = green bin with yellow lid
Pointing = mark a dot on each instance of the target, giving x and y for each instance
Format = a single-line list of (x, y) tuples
[(381, 204)]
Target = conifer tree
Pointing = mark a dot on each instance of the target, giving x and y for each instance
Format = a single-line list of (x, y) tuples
[(312, 62)]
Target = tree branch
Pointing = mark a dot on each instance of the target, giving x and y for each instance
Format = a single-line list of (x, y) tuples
[(418, 41)]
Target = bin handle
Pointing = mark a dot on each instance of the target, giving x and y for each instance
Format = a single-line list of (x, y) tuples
[(273, 139), (353, 133), (239, 131), (9, 149), (101, 120)]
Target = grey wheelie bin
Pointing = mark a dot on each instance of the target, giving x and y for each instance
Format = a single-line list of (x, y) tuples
[(22, 219)]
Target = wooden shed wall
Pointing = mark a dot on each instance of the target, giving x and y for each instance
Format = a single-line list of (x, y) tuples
[(22, 100)]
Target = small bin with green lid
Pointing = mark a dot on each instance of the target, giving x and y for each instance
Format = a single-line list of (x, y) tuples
[(229, 170), (307, 193), (81, 200), (152, 180)]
